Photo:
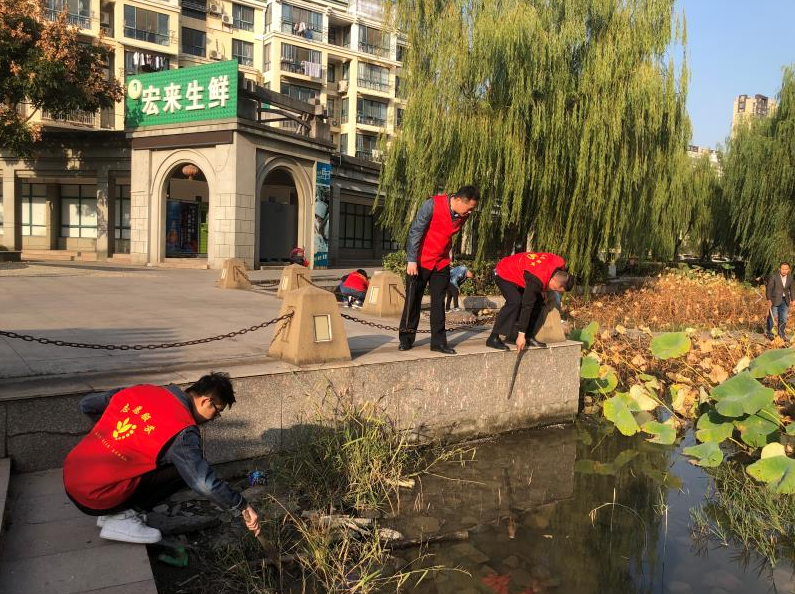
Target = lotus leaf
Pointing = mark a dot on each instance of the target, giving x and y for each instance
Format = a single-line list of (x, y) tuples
[(605, 383), (585, 335), (617, 410), (709, 454), (758, 429), (589, 368), (664, 433), (605, 468), (741, 395), (712, 427), (777, 471), (670, 345), (773, 449), (790, 430), (772, 362), (641, 398)]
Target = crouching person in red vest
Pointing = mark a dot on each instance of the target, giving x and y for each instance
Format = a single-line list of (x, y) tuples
[(144, 447), (354, 287), (524, 279), (428, 262)]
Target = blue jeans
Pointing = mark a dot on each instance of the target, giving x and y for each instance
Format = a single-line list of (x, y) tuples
[(780, 313), (348, 292)]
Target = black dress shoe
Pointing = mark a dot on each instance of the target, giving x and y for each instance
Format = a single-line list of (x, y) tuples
[(404, 346), (443, 349), (535, 343), (496, 342)]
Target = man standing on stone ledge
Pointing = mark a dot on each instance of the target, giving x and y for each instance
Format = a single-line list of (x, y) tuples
[(144, 447), (428, 262), (524, 279)]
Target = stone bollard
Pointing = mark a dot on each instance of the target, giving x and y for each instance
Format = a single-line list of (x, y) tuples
[(233, 275), (293, 277), (315, 333), (549, 328), (385, 296)]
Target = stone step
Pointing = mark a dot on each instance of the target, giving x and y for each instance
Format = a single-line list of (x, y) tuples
[(5, 473), (121, 258), (67, 255), (190, 263)]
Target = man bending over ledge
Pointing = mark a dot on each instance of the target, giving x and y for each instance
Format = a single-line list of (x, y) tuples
[(144, 447)]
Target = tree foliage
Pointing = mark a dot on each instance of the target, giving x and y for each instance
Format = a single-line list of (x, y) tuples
[(45, 65), (568, 114), (759, 181)]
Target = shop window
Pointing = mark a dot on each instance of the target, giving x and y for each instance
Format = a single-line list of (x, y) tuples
[(122, 212), (34, 210), (243, 52), (356, 226), (78, 211), (242, 17)]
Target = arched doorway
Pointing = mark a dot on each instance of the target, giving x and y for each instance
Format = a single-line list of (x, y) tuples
[(278, 216), (187, 208)]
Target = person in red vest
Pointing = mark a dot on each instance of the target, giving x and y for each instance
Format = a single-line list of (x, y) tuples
[(428, 262), (354, 287), (524, 279), (144, 447)]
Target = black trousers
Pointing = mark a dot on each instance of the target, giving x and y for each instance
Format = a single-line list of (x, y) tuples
[(452, 295), (508, 319), (436, 281), (153, 488)]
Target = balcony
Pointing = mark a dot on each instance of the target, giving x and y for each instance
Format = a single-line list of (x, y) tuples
[(148, 36), (76, 19), (375, 50), (370, 120), (375, 85), (304, 31), (310, 69), (78, 117)]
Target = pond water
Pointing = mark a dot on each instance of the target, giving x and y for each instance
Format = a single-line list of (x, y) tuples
[(577, 510)]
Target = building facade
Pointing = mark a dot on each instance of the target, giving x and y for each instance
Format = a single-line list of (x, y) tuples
[(747, 106), (296, 166)]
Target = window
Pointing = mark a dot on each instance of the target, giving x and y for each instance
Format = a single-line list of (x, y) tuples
[(146, 25), (122, 211), (400, 88), (401, 53), (340, 36), (268, 17), (266, 58), (195, 9), (343, 143), (388, 244), (373, 77), (371, 113), (242, 17), (194, 42), (333, 109), (299, 92), (301, 60), (78, 211), (137, 62), (243, 51), (346, 70), (331, 73), (398, 118), (344, 111), (365, 145), (34, 210), (373, 41), (301, 22), (356, 226), (78, 12)]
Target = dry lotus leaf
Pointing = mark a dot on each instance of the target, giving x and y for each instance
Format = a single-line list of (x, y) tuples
[(718, 374), (683, 379), (606, 336), (620, 329), (742, 364), (705, 346), (638, 360), (706, 364), (692, 357)]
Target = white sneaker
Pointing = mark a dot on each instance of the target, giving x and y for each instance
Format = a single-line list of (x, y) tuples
[(101, 521), (357, 304), (128, 526)]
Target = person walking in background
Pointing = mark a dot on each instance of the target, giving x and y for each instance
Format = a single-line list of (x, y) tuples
[(354, 287), (458, 276), (779, 296), (428, 262), (524, 279)]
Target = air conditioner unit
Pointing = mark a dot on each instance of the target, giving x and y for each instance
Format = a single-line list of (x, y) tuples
[(226, 19), (215, 55), (335, 123), (342, 86), (215, 8), (104, 19)]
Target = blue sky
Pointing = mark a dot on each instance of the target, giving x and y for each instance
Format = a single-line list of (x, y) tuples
[(734, 47)]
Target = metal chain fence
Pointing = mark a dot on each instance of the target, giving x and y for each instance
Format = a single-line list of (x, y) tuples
[(143, 347)]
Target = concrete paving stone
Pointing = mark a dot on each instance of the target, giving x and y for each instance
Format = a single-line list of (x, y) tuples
[(44, 509), (144, 587), (71, 572), (34, 484), (25, 540)]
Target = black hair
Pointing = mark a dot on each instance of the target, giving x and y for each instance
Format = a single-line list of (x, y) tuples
[(566, 278), (362, 272), (467, 193), (784, 264), (215, 384)]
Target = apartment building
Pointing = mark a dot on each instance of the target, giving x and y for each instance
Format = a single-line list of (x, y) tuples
[(747, 106), (341, 58)]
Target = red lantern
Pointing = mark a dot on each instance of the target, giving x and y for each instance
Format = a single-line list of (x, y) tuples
[(190, 171)]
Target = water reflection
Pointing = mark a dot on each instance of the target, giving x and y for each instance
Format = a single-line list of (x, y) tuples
[(576, 510)]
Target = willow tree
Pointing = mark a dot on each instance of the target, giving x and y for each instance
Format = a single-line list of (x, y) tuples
[(759, 181), (568, 114)]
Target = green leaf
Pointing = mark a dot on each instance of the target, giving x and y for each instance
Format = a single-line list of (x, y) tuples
[(709, 454), (664, 433), (605, 468), (777, 471), (616, 409), (790, 429), (670, 345), (589, 368), (585, 335), (641, 399), (772, 362), (741, 395), (713, 427), (758, 429), (605, 383), (773, 449)]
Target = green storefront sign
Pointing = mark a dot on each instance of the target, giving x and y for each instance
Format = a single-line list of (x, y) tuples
[(183, 95)]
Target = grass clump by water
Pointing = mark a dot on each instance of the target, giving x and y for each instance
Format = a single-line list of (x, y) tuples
[(740, 509)]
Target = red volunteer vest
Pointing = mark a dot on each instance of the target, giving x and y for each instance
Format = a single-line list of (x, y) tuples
[(539, 264), (103, 469), (438, 241), (357, 282)]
